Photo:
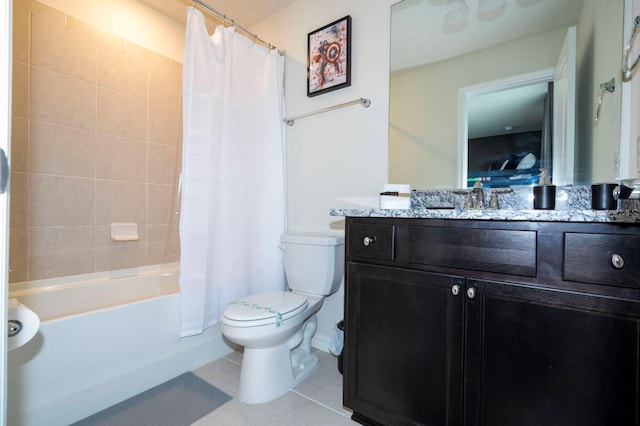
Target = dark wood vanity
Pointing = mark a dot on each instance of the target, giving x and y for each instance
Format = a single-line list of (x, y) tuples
[(492, 323)]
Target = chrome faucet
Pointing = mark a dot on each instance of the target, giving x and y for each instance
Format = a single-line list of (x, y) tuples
[(493, 201), (478, 192)]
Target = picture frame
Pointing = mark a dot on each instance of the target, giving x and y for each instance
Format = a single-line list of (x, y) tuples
[(329, 57)]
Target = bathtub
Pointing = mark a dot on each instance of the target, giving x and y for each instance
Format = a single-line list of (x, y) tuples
[(103, 338)]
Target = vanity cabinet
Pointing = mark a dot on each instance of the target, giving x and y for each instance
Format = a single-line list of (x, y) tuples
[(460, 322), (392, 369)]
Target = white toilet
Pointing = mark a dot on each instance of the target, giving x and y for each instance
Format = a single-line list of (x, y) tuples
[(276, 327)]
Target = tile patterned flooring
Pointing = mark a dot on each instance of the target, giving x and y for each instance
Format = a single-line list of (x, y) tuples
[(315, 401)]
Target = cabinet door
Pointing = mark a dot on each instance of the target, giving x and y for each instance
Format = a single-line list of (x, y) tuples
[(547, 357), (403, 340)]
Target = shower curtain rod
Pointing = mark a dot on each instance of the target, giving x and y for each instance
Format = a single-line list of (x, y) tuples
[(362, 101), (237, 26)]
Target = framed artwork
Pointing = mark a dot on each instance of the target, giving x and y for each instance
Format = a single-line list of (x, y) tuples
[(329, 57)]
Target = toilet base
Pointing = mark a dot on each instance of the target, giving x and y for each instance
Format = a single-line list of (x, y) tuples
[(269, 373)]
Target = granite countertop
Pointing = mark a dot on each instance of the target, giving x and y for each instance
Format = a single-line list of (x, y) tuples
[(573, 204), (627, 216)]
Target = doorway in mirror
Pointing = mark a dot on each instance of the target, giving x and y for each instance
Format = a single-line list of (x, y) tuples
[(506, 130)]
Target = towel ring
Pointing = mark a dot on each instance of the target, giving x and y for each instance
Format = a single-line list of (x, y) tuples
[(627, 69)]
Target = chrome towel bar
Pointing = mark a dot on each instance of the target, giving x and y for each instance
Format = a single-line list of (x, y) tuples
[(362, 101)]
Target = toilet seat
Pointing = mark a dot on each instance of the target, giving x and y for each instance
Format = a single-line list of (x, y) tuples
[(267, 308)]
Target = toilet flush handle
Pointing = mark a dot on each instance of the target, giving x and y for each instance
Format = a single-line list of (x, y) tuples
[(282, 247)]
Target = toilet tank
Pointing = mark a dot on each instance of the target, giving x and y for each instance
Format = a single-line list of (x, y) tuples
[(313, 263)]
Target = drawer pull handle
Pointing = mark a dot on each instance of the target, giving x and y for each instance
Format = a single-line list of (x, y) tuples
[(471, 293), (368, 241), (617, 261), (455, 290)]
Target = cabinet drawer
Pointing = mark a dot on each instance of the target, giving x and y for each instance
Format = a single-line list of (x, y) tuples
[(490, 250), (590, 258), (375, 241)]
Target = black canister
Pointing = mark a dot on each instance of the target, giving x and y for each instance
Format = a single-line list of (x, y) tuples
[(544, 197), (602, 196)]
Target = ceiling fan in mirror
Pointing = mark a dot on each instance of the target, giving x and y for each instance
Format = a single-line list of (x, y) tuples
[(487, 10)]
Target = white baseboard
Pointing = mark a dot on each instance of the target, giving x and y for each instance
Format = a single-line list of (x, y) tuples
[(321, 342)]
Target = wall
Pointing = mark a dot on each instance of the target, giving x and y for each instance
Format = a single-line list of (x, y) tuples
[(630, 158), (131, 20), (340, 155), (339, 158), (96, 140), (423, 138), (596, 143)]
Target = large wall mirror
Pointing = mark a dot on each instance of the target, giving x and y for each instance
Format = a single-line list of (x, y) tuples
[(487, 90)]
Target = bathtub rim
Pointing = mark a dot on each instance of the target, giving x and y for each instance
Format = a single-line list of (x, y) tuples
[(91, 278), (65, 297)]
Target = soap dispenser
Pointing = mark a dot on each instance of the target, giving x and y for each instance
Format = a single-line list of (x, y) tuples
[(544, 194)]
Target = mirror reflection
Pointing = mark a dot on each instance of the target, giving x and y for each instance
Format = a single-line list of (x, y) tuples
[(470, 79), (513, 153)]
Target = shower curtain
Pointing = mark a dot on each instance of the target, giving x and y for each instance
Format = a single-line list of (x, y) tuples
[(233, 203)]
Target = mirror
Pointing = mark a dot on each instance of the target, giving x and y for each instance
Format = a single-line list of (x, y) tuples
[(443, 50)]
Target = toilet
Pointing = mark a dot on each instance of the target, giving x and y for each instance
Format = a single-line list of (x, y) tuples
[(276, 327)]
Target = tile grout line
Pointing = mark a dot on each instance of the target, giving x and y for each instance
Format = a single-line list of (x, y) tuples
[(233, 362), (342, 413)]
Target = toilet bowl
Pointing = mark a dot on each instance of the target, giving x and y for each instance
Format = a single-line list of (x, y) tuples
[(276, 327)]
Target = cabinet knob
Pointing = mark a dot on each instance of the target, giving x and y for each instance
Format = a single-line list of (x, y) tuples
[(368, 241), (455, 290), (471, 293), (617, 261)]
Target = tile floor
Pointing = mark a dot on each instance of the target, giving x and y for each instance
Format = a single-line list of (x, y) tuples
[(315, 401)]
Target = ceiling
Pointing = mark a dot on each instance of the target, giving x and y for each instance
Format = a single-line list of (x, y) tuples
[(419, 34), (244, 12), (516, 110)]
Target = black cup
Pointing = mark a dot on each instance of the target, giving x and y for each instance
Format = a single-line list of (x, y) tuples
[(544, 197), (602, 196)]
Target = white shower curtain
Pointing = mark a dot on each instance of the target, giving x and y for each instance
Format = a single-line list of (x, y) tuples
[(233, 207)]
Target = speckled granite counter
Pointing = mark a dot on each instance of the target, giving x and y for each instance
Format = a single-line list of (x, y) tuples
[(572, 205), (632, 216)]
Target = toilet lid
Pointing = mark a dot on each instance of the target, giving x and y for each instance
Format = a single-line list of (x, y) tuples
[(265, 308)]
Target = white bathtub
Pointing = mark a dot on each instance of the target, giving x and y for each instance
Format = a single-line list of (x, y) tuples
[(103, 338)]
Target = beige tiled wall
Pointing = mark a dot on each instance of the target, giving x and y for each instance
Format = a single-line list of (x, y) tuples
[(96, 139)]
